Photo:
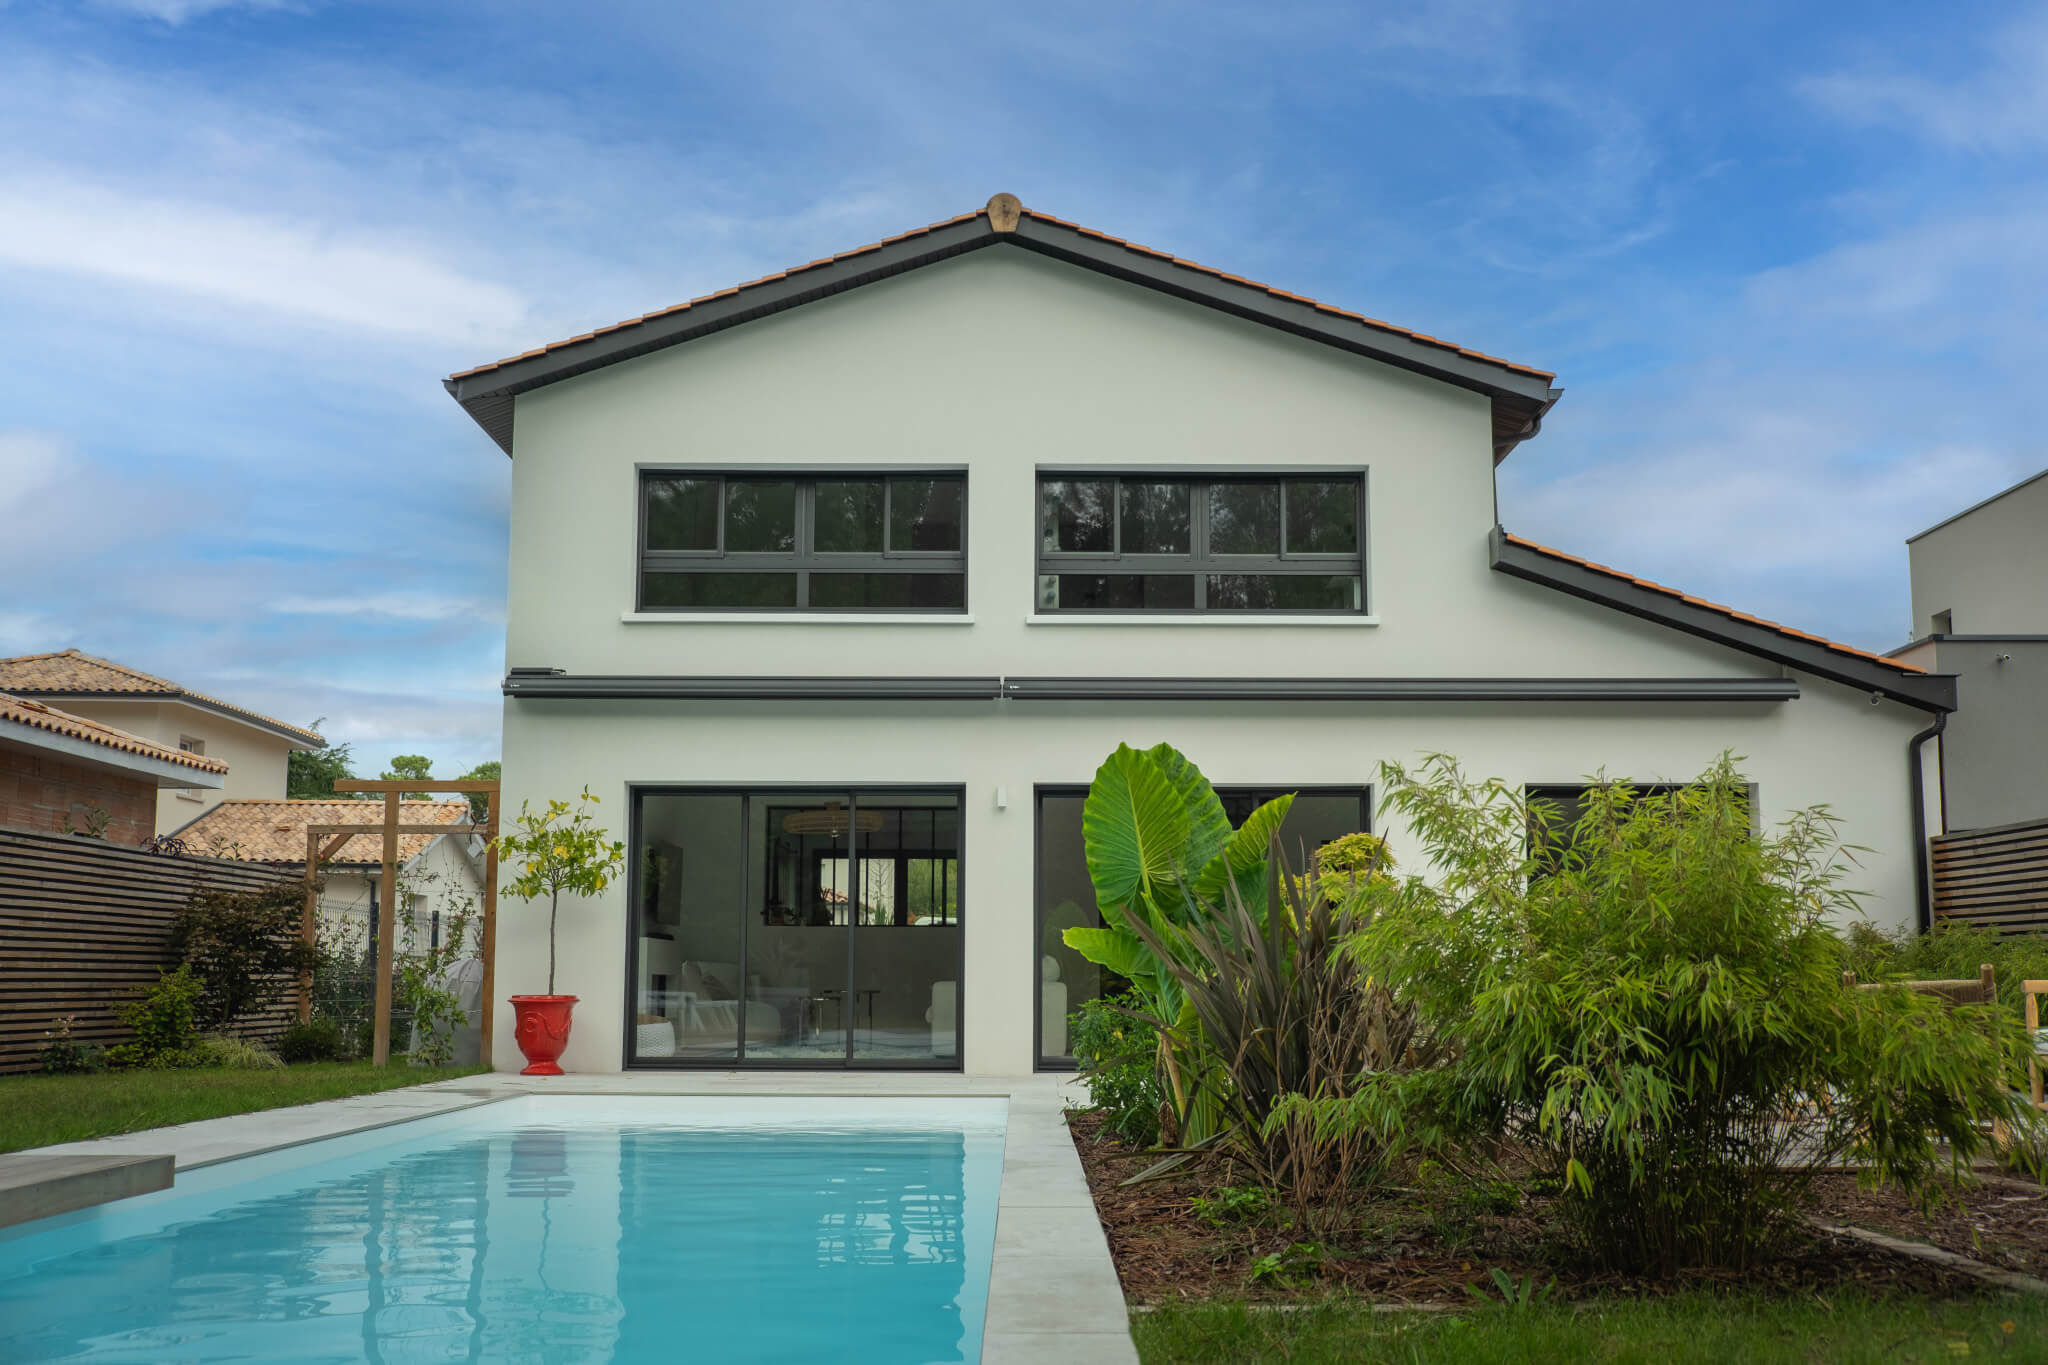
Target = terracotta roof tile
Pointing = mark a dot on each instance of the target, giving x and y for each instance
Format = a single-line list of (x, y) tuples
[(275, 831), (1729, 612), (37, 716), (73, 673), (1095, 233)]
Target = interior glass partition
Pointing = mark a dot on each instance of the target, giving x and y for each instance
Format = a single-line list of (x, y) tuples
[(796, 927), (1066, 896)]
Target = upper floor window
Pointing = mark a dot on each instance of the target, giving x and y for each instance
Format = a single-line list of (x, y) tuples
[(773, 541), (1215, 543)]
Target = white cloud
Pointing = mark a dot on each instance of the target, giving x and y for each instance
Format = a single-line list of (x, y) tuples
[(175, 12), (30, 461), (2001, 106), (397, 606), (294, 266)]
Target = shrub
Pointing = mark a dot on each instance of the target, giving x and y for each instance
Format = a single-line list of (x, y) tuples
[(1949, 952), (1658, 1014), (318, 1040), (1297, 1037), (64, 1055), (1118, 1056), (238, 1054), (164, 1020), (243, 947)]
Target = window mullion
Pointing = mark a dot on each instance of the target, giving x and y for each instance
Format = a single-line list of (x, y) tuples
[(720, 551)]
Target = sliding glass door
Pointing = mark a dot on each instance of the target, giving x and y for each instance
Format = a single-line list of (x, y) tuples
[(1066, 897), (796, 927)]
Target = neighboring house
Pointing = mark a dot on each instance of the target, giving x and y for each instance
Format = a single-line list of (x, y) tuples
[(438, 874), (64, 773), (1980, 612), (838, 586), (255, 748)]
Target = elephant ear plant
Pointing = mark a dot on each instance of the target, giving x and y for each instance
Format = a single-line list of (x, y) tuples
[(1159, 849)]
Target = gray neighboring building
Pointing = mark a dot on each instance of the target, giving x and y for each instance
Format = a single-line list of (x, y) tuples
[(1980, 611)]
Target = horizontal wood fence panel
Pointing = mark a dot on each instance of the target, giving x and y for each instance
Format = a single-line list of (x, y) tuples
[(83, 923), (1996, 878)]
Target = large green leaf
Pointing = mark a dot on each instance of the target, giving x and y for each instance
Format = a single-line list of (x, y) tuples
[(1135, 827), (1115, 949), (1243, 860), (1208, 826)]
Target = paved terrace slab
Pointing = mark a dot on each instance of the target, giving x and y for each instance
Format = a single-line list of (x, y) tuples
[(1053, 1294)]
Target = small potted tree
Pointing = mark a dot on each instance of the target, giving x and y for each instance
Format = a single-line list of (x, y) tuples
[(553, 851)]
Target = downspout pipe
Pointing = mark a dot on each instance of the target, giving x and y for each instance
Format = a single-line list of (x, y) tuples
[(1916, 783)]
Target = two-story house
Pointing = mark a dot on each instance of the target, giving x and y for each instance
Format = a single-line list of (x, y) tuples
[(1980, 612), (255, 748), (838, 586)]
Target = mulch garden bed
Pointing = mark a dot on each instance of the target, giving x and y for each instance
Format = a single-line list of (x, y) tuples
[(1425, 1245), (2000, 1221)]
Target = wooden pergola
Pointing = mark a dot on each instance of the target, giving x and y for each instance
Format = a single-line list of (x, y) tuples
[(324, 841)]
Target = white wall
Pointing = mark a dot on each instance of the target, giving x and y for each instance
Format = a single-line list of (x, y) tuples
[(1830, 746), (258, 761), (1002, 362), (443, 876), (1987, 567)]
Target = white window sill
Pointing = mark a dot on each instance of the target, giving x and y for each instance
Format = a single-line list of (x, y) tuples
[(1196, 619), (793, 618)]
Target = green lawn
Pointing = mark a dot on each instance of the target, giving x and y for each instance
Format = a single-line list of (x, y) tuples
[(1691, 1327), (37, 1110)]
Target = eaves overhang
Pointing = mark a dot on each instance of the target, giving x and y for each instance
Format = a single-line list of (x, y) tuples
[(1520, 395), (549, 684), (1808, 654)]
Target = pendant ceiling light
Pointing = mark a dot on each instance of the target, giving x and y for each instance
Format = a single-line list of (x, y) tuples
[(832, 820)]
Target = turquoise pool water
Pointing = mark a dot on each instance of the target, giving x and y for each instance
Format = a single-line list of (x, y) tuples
[(546, 1230)]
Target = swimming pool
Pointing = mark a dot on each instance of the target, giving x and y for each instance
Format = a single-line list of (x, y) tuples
[(544, 1228)]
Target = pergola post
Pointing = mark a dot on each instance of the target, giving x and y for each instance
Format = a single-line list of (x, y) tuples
[(393, 791)]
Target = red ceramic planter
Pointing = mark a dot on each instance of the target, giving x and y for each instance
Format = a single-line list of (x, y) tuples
[(541, 1026)]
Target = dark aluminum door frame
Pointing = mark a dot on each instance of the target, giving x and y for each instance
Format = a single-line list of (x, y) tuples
[(746, 794)]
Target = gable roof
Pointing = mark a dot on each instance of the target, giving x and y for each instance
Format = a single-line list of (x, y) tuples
[(1521, 394), (1860, 668), (34, 715), (73, 673), (275, 831)]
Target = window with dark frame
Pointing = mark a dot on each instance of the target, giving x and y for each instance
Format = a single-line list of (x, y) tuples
[(1201, 543), (1565, 805), (840, 540)]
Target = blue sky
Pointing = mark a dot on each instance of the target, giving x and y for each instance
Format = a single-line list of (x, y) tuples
[(1790, 262)]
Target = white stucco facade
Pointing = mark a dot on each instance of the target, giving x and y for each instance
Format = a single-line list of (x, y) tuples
[(1000, 364), (258, 760)]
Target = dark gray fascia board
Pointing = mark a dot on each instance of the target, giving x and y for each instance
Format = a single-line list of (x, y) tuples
[(1402, 689), (1927, 691), (1302, 318), (487, 397), (551, 685), (557, 686)]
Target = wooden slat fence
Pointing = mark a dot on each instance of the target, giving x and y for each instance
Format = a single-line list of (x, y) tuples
[(1994, 877), (83, 922)]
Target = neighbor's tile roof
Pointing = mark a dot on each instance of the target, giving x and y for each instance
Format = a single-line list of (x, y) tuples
[(71, 672), (275, 831), (1701, 602), (37, 716), (1100, 236)]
